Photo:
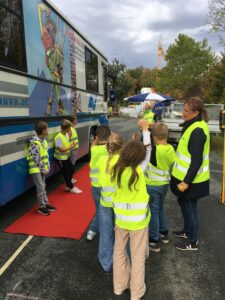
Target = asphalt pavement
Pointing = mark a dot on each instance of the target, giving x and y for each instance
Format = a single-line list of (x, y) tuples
[(65, 269)]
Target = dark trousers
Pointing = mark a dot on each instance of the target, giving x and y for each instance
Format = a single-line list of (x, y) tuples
[(190, 214), (66, 168)]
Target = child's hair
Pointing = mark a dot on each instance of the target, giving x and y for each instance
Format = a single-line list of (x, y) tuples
[(40, 126), (132, 154), (160, 131), (72, 118), (65, 124), (114, 146), (103, 132)]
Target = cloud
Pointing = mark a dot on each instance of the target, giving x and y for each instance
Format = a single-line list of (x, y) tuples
[(129, 30)]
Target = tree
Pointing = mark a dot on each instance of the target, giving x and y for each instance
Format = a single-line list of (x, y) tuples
[(187, 61), (216, 17), (215, 83), (116, 74)]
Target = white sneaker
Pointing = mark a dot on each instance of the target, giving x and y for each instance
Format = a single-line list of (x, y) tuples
[(75, 190), (73, 180), (91, 235)]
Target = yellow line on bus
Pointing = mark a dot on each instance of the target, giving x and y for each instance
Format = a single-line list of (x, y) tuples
[(16, 253)]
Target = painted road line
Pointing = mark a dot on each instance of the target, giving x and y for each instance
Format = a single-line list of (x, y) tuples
[(16, 253), (21, 296)]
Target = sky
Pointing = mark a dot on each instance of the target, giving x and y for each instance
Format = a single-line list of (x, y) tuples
[(129, 30)]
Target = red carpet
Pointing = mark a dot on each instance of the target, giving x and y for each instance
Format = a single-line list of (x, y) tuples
[(70, 220)]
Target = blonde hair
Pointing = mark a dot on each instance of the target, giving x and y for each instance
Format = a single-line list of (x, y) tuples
[(65, 124), (114, 146), (160, 131)]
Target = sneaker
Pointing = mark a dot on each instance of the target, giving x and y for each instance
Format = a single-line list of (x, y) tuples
[(75, 190), (50, 207), (43, 211), (91, 235), (154, 247), (180, 234), (187, 247), (73, 180), (164, 238)]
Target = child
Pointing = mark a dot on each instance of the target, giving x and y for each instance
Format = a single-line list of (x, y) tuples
[(106, 214), (62, 153), (132, 215), (39, 166), (73, 141), (98, 149), (157, 180)]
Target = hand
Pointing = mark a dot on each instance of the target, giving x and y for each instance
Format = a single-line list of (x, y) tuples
[(143, 124), (44, 172), (182, 186)]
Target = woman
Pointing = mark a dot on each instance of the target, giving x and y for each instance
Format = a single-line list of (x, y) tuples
[(190, 174)]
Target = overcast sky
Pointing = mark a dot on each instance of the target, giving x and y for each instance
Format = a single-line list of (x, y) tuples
[(130, 29)]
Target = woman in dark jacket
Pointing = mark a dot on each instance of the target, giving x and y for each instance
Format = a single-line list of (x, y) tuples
[(190, 174)]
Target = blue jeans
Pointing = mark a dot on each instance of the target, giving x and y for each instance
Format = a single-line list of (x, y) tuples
[(106, 239), (158, 223), (96, 194), (190, 214)]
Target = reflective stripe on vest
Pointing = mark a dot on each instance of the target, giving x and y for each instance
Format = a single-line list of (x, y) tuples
[(135, 214), (138, 218), (43, 152), (106, 199), (183, 157), (65, 144)]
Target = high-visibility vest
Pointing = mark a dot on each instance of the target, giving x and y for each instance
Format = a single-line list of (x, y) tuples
[(43, 152), (97, 151), (149, 117), (183, 157), (74, 138), (107, 186), (160, 174), (65, 144), (131, 207)]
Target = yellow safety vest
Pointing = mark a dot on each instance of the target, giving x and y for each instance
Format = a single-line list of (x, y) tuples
[(131, 207), (97, 151), (149, 117), (183, 157), (43, 151), (74, 138), (65, 144), (107, 187), (160, 174)]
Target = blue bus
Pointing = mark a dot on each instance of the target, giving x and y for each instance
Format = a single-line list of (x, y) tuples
[(48, 70)]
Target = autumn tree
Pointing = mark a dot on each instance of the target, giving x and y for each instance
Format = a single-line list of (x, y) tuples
[(187, 61), (216, 17)]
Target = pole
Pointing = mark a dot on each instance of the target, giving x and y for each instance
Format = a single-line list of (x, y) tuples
[(223, 182)]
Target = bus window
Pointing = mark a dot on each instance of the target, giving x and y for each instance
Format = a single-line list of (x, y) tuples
[(12, 50), (91, 68)]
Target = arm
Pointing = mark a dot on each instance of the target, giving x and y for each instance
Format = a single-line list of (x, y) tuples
[(147, 142), (59, 146)]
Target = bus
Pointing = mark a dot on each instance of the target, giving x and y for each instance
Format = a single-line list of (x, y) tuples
[(48, 71)]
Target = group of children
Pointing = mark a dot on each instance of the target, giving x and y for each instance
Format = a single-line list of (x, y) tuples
[(129, 184), (66, 144)]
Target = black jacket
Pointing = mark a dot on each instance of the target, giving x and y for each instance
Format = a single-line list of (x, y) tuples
[(195, 147)]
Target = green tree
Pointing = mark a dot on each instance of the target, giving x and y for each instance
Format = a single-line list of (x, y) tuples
[(214, 91), (187, 61), (119, 82), (216, 17)]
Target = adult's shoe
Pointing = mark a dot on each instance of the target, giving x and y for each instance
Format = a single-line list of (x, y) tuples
[(191, 246)]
